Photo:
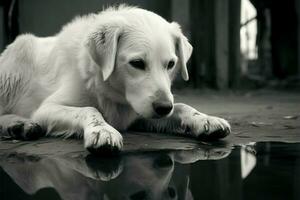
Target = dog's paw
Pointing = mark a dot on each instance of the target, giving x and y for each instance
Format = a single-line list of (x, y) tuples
[(206, 127), (24, 130), (103, 139)]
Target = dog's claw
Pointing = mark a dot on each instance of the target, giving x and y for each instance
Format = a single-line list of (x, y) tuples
[(103, 140), (25, 130), (207, 127)]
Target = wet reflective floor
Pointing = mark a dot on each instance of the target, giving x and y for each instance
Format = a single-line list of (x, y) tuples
[(255, 171)]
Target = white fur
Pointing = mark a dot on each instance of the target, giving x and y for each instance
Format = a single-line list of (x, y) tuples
[(80, 80)]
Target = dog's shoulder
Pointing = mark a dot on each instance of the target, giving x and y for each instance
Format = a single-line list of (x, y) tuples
[(21, 49)]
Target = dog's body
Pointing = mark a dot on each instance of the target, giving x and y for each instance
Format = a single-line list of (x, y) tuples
[(97, 77)]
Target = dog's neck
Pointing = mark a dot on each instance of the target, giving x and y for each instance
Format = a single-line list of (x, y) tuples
[(112, 93), (117, 114), (114, 107)]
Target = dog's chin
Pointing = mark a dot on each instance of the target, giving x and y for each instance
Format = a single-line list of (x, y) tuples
[(148, 115), (151, 115), (156, 116)]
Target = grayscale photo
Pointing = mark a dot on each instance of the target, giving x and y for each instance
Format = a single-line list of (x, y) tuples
[(149, 99)]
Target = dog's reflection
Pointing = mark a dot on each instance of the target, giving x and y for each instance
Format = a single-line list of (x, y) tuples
[(156, 175)]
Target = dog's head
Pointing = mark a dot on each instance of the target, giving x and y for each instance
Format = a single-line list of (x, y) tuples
[(139, 53)]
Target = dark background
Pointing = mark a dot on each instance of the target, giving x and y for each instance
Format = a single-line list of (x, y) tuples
[(213, 27)]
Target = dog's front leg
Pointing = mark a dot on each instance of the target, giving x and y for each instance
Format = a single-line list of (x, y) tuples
[(97, 133), (186, 120)]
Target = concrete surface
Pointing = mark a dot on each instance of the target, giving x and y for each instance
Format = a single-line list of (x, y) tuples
[(254, 116)]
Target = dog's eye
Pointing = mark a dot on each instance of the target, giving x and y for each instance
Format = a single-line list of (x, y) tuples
[(138, 64), (171, 64)]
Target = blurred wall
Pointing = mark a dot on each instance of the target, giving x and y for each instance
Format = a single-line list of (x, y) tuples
[(2, 33), (215, 28), (284, 38), (46, 17), (298, 35)]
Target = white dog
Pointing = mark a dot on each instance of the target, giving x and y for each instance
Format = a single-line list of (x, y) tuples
[(100, 75)]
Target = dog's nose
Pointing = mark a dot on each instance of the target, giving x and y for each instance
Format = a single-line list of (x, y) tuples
[(162, 108)]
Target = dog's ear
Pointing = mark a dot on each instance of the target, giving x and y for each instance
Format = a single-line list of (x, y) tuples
[(183, 49), (102, 45)]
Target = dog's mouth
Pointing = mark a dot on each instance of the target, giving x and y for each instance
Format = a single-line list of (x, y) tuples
[(153, 116), (156, 116)]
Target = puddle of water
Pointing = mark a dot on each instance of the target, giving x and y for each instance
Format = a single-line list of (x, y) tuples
[(256, 171)]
